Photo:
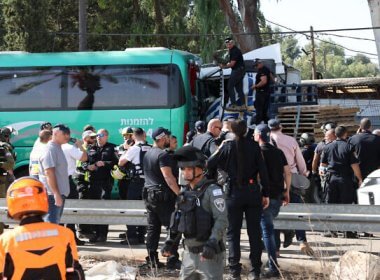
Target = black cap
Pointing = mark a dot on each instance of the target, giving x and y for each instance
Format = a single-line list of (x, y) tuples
[(200, 126), (160, 132), (62, 127), (264, 131), (274, 124), (227, 40), (189, 156)]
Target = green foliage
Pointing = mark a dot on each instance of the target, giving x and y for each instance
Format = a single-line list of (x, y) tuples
[(331, 63), (25, 25)]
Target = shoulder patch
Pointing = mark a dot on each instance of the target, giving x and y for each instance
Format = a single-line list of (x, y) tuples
[(220, 204), (217, 192)]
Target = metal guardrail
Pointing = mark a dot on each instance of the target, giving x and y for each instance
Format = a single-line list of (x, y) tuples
[(318, 217)]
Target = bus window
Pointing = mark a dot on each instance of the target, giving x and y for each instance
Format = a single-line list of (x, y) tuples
[(121, 86), (30, 88)]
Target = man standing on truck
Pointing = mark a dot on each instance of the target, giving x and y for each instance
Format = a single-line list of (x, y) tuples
[(237, 74), (262, 87)]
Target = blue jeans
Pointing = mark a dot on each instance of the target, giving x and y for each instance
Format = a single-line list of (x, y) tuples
[(54, 213), (269, 214)]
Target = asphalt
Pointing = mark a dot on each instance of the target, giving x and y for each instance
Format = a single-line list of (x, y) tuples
[(293, 264)]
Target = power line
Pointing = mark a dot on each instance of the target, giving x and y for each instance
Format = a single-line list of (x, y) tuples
[(346, 36), (328, 42)]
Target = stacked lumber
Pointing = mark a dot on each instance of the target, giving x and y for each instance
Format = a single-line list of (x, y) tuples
[(312, 117)]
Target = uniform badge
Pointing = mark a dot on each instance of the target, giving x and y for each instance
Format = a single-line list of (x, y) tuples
[(220, 204), (217, 192)]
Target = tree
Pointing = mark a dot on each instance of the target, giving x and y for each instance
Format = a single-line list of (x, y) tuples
[(244, 20), (25, 25), (331, 63)]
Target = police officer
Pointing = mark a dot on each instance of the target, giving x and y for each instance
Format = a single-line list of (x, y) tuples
[(367, 148), (101, 159), (206, 141), (81, 178), (201, 216), (341, 164), (127, 133), (35, 249), (241, 158), (159, 194), (307, 144), (7, 163), (135, 156)]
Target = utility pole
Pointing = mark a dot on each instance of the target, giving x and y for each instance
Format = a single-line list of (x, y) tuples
[(82, 25), (313, 64)]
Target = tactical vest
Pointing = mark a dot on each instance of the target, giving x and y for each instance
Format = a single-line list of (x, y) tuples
[(136, 170), (190, 218)]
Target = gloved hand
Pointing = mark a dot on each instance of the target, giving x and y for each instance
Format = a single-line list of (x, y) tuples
[(167, 250), (209, 249)]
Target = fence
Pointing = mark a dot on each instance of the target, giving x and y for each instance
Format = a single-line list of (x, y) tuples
[(318, 217)]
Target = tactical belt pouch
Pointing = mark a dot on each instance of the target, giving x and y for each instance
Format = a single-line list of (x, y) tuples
[(199, 249), (157, 194)]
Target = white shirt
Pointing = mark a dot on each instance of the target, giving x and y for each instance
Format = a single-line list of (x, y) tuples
[(133, 153), (34, 158), (72, 154)]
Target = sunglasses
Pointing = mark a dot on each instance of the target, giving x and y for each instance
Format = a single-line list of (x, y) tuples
[(100, 135)]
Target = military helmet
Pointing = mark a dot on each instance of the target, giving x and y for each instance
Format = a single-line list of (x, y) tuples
[(189, 156), (327, 126), (26, 195), (307, 139)]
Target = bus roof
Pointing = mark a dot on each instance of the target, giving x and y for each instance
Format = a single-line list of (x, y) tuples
[(129, 56)]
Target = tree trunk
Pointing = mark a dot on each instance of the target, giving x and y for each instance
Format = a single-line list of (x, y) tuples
[(246, 22), (159, 22), (374, 7)]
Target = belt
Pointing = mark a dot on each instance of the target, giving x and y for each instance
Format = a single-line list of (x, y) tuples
[(195, 250)]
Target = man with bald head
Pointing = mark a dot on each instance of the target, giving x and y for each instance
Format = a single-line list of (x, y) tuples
[(367, 148), (206, 141)]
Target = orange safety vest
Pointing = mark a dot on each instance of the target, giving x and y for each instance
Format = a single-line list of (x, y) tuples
[(38, 251)]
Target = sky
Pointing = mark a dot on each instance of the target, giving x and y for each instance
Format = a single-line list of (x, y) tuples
[(325, 14)]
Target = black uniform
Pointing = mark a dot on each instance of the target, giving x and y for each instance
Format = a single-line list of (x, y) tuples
[(244, 198), (159, 198), (262, 96), (237, 75), (122, 183), (367, 149), (101, 181), (205, 142), (340, 177), (308, 155)]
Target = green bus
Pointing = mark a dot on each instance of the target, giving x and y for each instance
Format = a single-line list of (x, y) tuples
[(141, 87)]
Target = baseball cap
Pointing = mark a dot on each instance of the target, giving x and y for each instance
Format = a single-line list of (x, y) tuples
[(200, 126), (159, 133), (88, 127), (88, 133), (62, 127), (127, 130), (264, 132), (227, 40), (274, 124)]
